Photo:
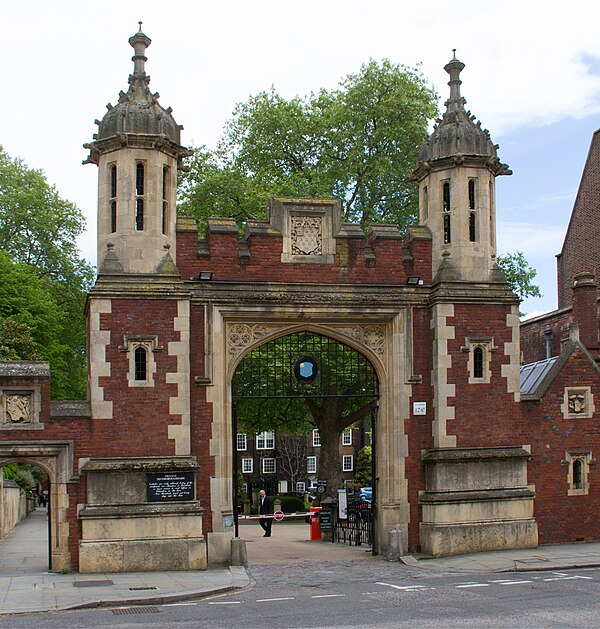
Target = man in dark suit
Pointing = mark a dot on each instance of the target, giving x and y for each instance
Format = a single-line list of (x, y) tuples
[(265, 508)]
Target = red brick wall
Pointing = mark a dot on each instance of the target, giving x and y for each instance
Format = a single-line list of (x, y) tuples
[(560, 517), (581, 247), (264, 263)]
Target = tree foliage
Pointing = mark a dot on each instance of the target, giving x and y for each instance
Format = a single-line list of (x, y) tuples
[(519, 275), (355, 143), (38, 231)]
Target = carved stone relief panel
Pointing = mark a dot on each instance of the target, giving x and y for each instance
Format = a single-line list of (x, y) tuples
[(307, 235), (240, 336), (20, 408), (373, 336), (578, 402)]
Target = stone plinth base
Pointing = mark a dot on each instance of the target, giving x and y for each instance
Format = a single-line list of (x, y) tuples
[(443, 540)]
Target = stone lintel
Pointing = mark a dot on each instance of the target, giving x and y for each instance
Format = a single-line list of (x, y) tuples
[(140, 510), (141, 464), (473, 454), (488, 495)]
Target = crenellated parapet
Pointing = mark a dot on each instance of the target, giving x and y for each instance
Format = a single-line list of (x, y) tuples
[(303, 240)]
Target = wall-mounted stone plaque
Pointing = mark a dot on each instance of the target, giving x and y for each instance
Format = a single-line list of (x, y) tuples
[(170, 486)]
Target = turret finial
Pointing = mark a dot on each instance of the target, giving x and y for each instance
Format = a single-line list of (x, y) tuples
[(139, 42), (454, 67)]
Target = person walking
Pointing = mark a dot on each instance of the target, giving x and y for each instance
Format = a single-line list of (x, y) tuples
[(265, 508)]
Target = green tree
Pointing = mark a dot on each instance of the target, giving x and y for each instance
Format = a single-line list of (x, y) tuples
[(16, 341), (355, 143), (364, 470), (39, 229), (519, 275)]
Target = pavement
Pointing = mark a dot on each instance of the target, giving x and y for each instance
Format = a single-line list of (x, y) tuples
[(27, 586)]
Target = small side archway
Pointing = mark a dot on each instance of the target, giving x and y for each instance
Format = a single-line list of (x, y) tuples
[(56, 459)]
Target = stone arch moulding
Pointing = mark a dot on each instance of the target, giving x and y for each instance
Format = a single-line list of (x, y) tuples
[(56, 459), (367, 338)]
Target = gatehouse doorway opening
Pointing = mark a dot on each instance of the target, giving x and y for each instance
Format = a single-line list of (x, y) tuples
[(304, 410)]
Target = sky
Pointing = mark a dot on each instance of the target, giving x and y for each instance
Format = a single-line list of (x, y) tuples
[(532, 77)]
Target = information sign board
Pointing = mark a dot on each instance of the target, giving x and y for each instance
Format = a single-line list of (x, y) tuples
[(170, 486), (326, 519)]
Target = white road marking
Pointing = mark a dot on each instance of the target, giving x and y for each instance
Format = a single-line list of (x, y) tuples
[(515, 582), (178, 604), (566, 578), (410, 588), (327, 595), (271, 600), (474, 585), (225, 602)]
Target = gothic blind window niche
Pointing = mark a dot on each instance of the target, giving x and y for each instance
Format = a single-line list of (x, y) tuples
[(165, 204), (113, 198), (141, 352), (479, 351), (139, 196), (425, 203), (141, 364), (578, 464)]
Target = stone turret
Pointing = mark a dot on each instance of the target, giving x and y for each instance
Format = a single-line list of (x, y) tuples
[(138, 150), (456, 169)]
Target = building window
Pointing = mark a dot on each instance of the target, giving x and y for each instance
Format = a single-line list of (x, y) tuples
[(472, 227), (247, 466), (347, 463), (142, 366), (316, 438), (300, 486), (347, 437), (139, 196), (165, 204), (141, 363), (471, 194), (139, 214), (265, 440), (113, 198), (478, 362), (479, 356), (268, 466), (242, 442), (311, 464), (447, 232), (446, 196), (425, 203), (578, 464)]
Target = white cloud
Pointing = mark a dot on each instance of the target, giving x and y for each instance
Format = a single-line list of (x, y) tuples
[(530, 238)]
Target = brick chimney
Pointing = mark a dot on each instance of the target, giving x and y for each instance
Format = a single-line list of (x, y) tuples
[(585, 309)]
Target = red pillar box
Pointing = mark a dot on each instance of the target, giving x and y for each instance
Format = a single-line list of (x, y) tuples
[(315, 533)]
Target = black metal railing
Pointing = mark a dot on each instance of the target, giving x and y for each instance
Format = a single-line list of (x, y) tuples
[(357, 528)]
